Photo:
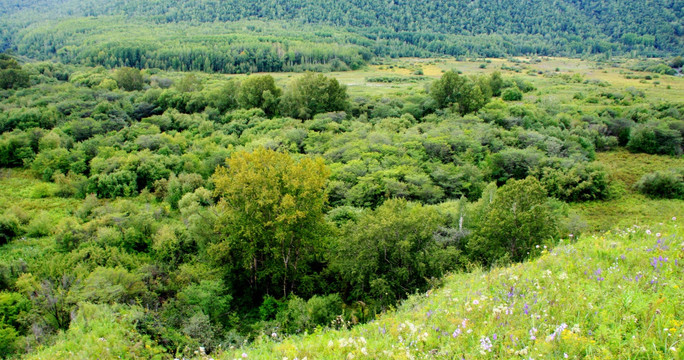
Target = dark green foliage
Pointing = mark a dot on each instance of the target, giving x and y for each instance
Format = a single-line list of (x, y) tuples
[(259, 91), (13, 79), (655, 138), (322, 35), (11, 74), (663, 184), (298, 315), (465, 94), (577, 183), (513, 163), (119, 183), (677, 62), (313, 94), (9, 228), (514, 222), (15, 149), (390, 252), (512, 94)]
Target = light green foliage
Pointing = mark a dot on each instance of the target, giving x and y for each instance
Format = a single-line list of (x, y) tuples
[(516, 220), (139, 214), (129, 79), (102, 332), (272, 215), (298, 315), (108, 286)]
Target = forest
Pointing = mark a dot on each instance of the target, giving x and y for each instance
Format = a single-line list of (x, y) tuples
[(276, 35)]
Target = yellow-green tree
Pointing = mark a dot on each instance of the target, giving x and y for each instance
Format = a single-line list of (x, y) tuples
[(271, 215)]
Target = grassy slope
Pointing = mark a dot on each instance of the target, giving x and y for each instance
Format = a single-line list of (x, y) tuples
[(629, 206), (619, 294)]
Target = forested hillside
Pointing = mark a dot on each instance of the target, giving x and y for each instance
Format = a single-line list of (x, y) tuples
[(237, 36)]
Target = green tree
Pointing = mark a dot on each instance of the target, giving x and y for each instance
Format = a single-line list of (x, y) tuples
[(515, 220), (129, 79), (259, 91), (313, 94), (390, 252), (459, 91), (271, 214)]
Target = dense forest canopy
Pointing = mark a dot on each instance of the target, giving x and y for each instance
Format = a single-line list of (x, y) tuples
[(277, 35)]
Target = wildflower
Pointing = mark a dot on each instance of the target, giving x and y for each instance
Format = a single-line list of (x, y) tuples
[(674, 218), (533, 331), (244, 355), (658, 235), (557, 332), (274, 335), (648, 232), (485, 345), (565, 356), (475, 302), (456, 333)]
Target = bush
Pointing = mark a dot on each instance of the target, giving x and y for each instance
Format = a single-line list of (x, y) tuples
[(120, 183), (663, 184), (512, 94), (578, 183), (298, 315), (655, 138), (40, 225), (9, 228)]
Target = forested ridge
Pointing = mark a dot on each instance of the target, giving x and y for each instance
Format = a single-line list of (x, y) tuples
[(362, 28)]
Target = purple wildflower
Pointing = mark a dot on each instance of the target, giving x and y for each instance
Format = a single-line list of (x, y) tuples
[(486, 344)]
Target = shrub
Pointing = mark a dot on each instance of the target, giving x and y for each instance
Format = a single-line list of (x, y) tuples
[(655, 138), (577, 183), (663, 184), (9, 228), (40, 225), (512, 94)]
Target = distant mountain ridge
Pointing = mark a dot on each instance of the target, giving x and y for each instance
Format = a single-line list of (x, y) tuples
[(493, 28)]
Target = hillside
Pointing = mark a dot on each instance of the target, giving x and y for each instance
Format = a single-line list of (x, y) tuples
[(211, 35), (612, 296), (616, 295)]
